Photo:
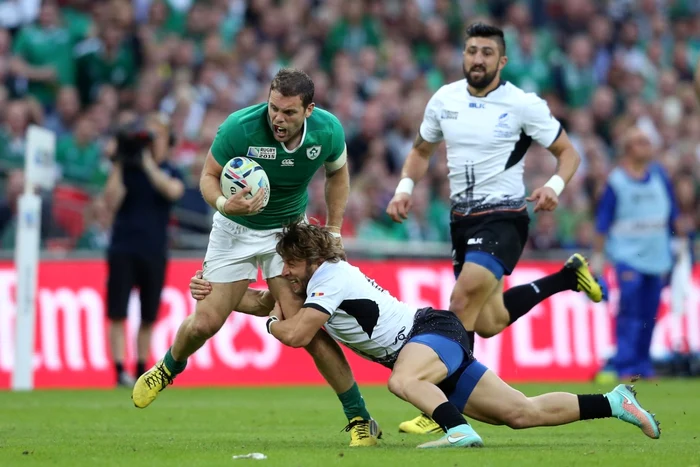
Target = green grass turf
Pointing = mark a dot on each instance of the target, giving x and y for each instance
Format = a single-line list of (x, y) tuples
[(303, 427)]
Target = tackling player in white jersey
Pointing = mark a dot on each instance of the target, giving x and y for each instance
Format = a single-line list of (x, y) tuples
[(487, 125), (427, 349)]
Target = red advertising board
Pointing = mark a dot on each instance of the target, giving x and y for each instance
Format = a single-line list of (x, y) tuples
[(563, 339)]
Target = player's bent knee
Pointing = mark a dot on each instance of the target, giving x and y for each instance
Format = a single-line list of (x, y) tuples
[(490, 324), (485, 333), (204, 324), (462, 299), (467, 291), (397, 385), (519, 414)]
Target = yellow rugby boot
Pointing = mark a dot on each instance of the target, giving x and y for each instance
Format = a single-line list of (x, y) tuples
[(149, 385), (363, 432), (421, 425), (585, 281)]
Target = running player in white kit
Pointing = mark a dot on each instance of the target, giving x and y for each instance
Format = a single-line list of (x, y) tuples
[(487, 125)]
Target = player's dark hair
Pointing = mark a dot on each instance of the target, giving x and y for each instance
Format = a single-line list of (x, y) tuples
[(291, 82), (490, 32), (308, 242)]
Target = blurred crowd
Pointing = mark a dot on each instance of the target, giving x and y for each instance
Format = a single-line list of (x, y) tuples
[(75, 65)]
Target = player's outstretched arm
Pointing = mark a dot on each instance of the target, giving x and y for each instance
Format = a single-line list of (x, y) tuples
[(337, 193), (547, 197), (298, 330), (568, 159), (254, 302), (414, 169)]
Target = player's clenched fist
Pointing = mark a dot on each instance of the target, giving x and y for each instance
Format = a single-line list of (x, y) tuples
[(238, 205), (545, 199), (199, 288), (399, 206)]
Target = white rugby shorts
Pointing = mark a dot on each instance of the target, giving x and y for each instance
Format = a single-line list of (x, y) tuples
[(236, 252)]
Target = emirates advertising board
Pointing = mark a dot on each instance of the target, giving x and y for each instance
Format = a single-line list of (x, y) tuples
[(563, 339)]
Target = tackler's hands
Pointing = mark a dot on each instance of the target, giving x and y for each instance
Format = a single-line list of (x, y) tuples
[(238, 205), (277, 312), (399, 206), (199, 288), (545, 199)]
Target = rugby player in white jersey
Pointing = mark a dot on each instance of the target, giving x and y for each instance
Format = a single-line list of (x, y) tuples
[(487, 125), (427, 349)]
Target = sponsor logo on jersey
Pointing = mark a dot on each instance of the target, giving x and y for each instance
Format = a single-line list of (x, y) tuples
[(449, 115), (475, 241), (476, 105), (317, 294), (262, 152), (287, 162), (503, 129), (313, 152)]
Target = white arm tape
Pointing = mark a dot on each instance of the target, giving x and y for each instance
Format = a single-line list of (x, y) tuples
[(556, 183), (336, 234), (338, 163), (405, 186), (220, 201)]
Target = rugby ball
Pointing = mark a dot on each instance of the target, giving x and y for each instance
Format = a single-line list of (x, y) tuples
[(241, 172)]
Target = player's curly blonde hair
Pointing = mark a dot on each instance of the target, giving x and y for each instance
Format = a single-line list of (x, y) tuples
[(311, 243)]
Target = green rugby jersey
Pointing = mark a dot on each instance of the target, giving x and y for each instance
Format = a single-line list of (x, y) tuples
[(247, 133)]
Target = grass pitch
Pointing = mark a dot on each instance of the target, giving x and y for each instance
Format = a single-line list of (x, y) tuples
[(303, 427)]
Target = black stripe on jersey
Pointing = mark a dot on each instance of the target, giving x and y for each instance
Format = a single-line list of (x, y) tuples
[(470, 180), (365, 311), (561, 128), (316, 306), (519, 150)]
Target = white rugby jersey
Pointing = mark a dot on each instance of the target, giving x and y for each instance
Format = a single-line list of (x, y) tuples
[(364, 317), (486, 139)]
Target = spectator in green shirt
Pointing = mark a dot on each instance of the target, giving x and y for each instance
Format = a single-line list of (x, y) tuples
[(42, 55), (80, 156), (575, 76), (526, 69), (12, 135), (98, 226), (63, 119), (107, 59), (77, 19), (352, 32)]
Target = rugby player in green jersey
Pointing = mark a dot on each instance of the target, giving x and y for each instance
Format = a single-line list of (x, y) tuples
[(291, 140)]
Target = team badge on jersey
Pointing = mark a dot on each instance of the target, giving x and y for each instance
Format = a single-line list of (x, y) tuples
[(313, 152), (262, 152)]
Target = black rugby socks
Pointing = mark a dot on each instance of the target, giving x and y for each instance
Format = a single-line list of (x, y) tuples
[(447, 416), (594, 406), (523, 298)]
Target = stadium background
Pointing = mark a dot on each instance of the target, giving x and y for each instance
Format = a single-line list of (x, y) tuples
[(602, 66)]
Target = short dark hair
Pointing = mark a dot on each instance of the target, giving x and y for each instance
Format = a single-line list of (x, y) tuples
[(488, 31), (300, 241), (292, 82)]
